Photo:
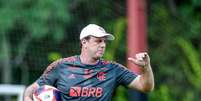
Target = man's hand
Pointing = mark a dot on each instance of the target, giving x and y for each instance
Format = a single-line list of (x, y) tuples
[(145, 81), (29, 91), (141, 59)]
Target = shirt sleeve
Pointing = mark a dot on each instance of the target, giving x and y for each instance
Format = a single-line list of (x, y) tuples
[(50, 75), (124, 76)]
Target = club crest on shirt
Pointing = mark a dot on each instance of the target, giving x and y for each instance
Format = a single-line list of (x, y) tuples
[(101, 76)]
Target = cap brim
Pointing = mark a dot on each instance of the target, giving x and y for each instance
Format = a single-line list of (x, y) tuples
[(107, 35), (110, 37)]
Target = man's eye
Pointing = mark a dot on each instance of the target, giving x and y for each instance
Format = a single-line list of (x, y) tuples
[(98, 41)]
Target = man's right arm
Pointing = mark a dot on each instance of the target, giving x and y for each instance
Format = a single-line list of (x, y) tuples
[(49, 77), (28, 93)]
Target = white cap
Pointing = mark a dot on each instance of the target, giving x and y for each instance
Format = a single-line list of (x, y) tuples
[(96, 31)]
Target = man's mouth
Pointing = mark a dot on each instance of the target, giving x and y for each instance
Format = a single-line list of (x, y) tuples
[(100, 51)]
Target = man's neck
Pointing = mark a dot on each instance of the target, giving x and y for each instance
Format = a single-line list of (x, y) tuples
[(85, 59)]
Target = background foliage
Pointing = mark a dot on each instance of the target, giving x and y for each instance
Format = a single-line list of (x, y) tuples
[(33, 33), (175, 46)]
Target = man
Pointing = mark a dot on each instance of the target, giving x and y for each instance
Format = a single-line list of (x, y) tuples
[(87, 77)]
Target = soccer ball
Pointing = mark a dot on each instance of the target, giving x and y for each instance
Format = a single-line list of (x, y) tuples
[(46, 93)]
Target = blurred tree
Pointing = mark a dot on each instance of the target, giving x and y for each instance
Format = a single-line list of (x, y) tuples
[(33, 20), (174, 43), (191, 67)]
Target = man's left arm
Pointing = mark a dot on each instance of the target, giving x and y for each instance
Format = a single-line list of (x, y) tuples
[(145, 81)]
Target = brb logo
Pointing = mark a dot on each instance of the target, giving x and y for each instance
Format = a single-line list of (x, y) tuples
[(86, 91)]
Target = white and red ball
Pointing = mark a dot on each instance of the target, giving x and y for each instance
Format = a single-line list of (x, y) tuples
[(47, 93)]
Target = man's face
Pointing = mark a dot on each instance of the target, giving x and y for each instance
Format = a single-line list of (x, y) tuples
[(95, 46)]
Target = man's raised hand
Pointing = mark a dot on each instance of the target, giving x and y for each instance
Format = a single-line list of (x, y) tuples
[(141, 59)]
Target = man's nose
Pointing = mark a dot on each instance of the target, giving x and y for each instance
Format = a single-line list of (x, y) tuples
[(103, 44)]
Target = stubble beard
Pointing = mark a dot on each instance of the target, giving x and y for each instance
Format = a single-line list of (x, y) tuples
[(98, 57)]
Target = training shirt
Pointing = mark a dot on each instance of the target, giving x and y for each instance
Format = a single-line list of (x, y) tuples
[(83, 82)]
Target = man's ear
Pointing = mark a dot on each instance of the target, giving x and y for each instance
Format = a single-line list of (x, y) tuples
[(83, 41)]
